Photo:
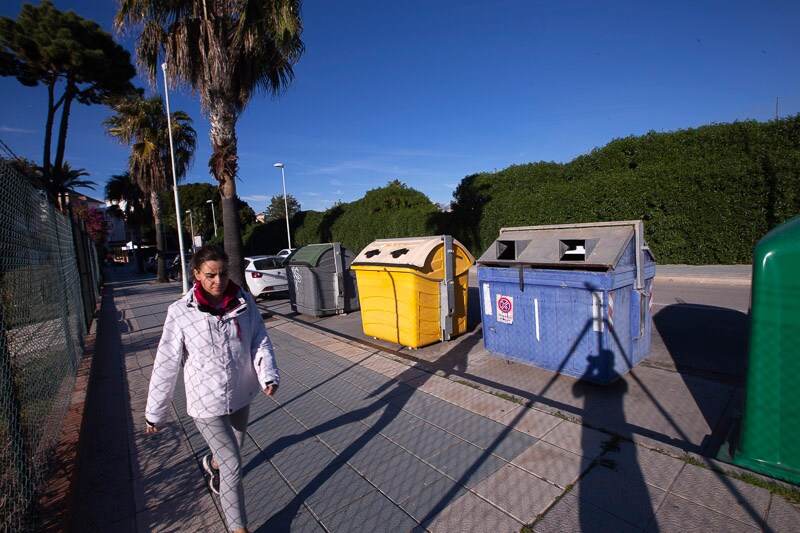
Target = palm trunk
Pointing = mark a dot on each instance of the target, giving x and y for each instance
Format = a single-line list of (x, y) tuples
[(155, 203), (223, 165)]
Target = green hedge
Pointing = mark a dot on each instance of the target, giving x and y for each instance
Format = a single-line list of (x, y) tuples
[(706, 195), (392, 211)]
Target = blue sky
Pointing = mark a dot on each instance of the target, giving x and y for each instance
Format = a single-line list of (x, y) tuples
[(428, 92)]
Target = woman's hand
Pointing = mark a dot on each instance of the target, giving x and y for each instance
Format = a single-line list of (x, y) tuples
[(271, 389), (150, 428)]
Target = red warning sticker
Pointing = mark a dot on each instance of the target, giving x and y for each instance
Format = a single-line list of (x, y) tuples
[(505, 309)]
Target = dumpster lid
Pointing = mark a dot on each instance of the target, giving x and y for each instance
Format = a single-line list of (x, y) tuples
[(410, 252), (597, 245), (309, 255)]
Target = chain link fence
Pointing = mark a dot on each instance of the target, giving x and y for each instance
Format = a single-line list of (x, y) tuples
[(49, 274)]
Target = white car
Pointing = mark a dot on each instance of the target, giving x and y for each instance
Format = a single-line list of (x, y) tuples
[(286, 252), (265, 274)]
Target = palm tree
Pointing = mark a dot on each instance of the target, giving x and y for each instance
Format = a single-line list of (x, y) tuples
[(122, 190), (224, 51), (65, 179), (142, 123)]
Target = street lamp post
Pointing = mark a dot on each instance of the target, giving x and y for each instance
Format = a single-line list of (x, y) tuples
[(184, 281), (191, 225), (285, 204), (213, 216)]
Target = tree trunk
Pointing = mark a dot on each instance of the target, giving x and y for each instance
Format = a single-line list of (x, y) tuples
[(48, 131), (69, 94), (155, 202), (223, 166), (137, 249)]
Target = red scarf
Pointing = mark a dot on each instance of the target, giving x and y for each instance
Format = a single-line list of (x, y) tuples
[(230, 299)]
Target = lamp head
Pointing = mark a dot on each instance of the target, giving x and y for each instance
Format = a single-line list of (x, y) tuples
[(278, 165)]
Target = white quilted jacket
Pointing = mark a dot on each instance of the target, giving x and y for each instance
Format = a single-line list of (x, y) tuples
[(227, 359)]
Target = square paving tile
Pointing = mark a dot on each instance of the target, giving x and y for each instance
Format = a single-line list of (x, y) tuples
[(552, 463), (443, 414), (182, 477), (193, 511), (373, 512), (399, 423), (577, 439), (341, 435), (737, 499), (518, 493), (425, 504), (490, 435), (653, 468), (413, 401), (291, 519), (473, 514), (490, 406), (783, 516), (304, 460), (333, 489), (427, 441), (400, 476), (679, 515), (466, 463), (571, 514), (455, 393), (266, 495), (531, 421), (628, 498), (371, 448)]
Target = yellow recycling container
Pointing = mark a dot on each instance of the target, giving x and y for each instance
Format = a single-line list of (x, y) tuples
[(413, 291)]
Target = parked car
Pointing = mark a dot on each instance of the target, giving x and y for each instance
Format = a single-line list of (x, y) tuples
[(286, 252), (265, 274)]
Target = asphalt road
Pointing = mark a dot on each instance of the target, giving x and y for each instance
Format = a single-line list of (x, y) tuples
[(701, 330)]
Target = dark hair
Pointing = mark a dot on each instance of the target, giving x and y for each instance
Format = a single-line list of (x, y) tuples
[(209, 252)]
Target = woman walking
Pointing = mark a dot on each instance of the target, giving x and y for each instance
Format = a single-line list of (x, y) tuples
[(216, 331)]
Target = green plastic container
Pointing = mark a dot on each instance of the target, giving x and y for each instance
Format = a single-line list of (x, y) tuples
[(770, 433)]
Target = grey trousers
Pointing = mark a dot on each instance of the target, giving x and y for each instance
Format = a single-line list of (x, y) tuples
[(225, 437)]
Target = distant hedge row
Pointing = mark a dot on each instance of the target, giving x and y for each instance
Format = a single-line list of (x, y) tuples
[(706, 196)]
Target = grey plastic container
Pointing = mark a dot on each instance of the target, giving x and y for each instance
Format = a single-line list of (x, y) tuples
[(320, 280)]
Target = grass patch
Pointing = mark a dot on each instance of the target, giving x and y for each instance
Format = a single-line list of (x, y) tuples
[(508, 397), (791, 494), (467, 383)]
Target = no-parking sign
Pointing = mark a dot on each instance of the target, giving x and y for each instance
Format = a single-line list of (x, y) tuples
[(505, 309)]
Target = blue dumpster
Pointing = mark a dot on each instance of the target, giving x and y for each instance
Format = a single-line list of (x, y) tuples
[(574, 299)]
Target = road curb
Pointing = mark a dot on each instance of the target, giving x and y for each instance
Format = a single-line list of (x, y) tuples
[(739, 282)]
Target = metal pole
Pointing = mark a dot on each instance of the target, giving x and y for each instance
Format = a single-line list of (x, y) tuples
[(213, 216), (191, 225), (184, 281), (285, 205)]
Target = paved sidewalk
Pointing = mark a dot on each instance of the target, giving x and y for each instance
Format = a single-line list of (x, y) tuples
[(360, 438)]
